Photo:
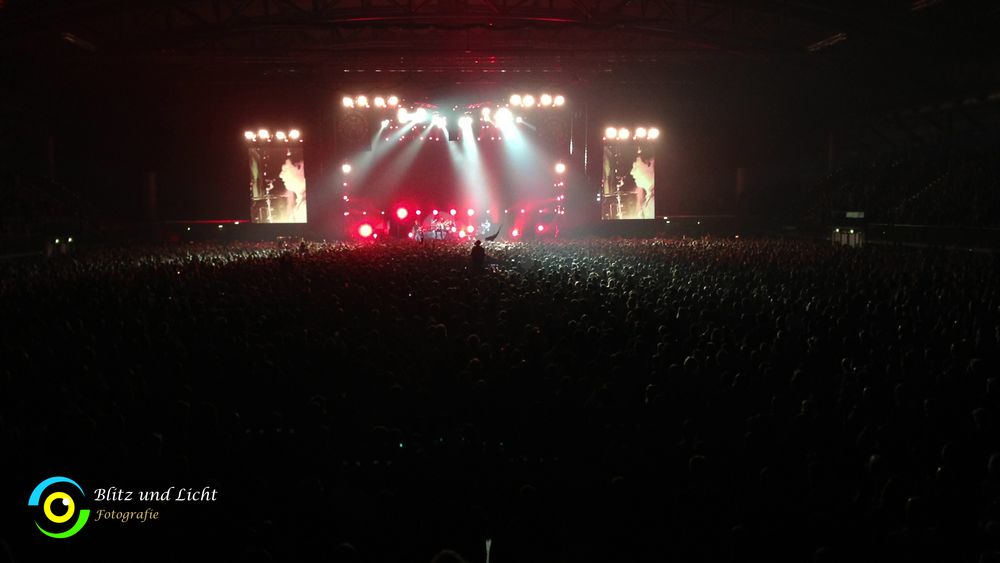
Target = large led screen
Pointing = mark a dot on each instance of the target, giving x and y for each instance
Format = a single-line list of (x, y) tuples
[(277, 183), (627, 183)]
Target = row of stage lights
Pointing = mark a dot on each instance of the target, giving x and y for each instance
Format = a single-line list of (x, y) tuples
[(516, 100), (559, 167), (363, 102), (543, 101), (265, 135), (402, 212), (623, 133), (502, 116), (367, 231)]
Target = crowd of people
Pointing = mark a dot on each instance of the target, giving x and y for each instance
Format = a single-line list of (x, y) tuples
[(577, 400)]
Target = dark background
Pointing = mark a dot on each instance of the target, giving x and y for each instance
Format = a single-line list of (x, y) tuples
[(108, 92)]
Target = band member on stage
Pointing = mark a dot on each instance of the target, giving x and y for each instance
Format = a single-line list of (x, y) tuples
[(642, 173), (294, 178)]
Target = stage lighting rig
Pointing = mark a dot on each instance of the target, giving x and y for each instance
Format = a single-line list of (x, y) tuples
[(624, 134), (265, 135)]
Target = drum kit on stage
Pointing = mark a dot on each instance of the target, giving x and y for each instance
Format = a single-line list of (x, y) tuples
[(438, 229)]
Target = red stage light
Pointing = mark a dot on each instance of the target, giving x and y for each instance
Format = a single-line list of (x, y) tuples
[(541, 228), (471, 212), (365, 230), (453, 212), (435, 212), (402, 213), (470, 229), (515, 233)]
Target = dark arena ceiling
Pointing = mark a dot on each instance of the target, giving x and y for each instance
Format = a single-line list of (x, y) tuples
[(613, 40)]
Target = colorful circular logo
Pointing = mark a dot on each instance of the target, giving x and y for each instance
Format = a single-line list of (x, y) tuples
[(59, 506)]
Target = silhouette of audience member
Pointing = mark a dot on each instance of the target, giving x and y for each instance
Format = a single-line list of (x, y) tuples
[(478, 255)]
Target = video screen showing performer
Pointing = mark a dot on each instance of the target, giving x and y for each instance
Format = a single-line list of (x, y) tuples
[(628, 180), (277, 184)]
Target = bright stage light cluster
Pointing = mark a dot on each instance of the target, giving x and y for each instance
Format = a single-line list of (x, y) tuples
[(423, 118), (364, 102), (545, 100), (264, 135), (419, 115), (503, 116), (626, 134)]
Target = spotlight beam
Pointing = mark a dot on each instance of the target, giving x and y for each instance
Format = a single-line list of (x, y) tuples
[(365, 161), (470, 166)]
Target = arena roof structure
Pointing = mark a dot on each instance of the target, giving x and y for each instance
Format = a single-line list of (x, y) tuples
[(621, 39)]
